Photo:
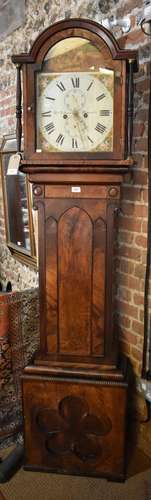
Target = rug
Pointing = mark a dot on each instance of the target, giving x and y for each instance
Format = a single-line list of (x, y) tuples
[(16, 352)]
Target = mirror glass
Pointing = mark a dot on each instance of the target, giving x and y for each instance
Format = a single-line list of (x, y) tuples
[(20, 219)]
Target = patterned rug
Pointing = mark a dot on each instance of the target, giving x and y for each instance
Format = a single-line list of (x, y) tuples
[(16, 352)]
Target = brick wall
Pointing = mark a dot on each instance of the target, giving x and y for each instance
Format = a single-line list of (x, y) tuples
[(132, 240)]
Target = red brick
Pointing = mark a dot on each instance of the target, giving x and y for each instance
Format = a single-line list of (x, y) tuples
[(141, 315), (146, 98), (130, 252), (144, 256), (7, 111), (128, 7), (126, 237), (138, 327), (140, 343), (144, 226), (124, 294), (11, 122), (141, 114), (126, 266), (116, 263), (145, 195), (6, 101), (136, 365), (130, 281), (138, 299), (141, 144), (141, 162), (123, 321), (134, 37), (138, 129), (141, 211), (136, 353), (140, 270), (128, 337), (141, 241), (135, 210), (127, 309), (131, 193), (142, 85), (124, 347), (130, 224), (144, 68)]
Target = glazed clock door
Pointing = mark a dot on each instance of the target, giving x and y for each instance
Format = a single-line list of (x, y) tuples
[(78, 92), (77, 238), (75, 111)]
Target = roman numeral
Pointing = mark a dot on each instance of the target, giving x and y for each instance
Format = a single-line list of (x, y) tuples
[(60, 139), (100, 97), (46, 113), (61, 86), (90, 139), (75, 82), (50, 127), (74, 143), (89, 87), (100, 128), (105, 112), (50, 98)]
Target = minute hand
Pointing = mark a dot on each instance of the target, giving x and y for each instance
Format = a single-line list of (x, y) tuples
[(79, 128)]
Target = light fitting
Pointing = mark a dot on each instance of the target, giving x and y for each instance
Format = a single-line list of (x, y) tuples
[(146, 20), (111, 22)]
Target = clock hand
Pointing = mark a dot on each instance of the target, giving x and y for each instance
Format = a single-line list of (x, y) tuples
[(82, 122), (79, 128)]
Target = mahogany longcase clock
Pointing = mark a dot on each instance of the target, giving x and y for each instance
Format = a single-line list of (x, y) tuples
[(77, 93)]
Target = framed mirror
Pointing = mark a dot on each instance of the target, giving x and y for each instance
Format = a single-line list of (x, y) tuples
[(20, 221)]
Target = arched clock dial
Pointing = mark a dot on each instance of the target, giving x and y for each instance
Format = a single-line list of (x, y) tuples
[(75, 112)]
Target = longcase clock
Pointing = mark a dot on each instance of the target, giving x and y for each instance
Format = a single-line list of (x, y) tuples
[(77, 94)]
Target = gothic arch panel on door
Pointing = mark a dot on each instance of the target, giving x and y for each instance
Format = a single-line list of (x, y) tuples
[(75, 278)]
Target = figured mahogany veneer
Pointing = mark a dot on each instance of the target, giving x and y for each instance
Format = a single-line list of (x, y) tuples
[(75, 393), (122, 61), (78, 230), (75, 426)]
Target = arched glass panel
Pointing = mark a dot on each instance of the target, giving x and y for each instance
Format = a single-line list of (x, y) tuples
[(75, 92)]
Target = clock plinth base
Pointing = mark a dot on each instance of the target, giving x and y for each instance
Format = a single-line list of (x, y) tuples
[(75, 425)]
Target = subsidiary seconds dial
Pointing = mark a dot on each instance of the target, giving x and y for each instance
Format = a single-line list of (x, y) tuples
[(75, 112)]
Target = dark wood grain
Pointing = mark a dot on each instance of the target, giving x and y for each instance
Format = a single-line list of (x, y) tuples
[(75, 428), (98, 299), (75, 394), (75, 268), (111, 56), (76, 248), (51, 285), (130, 99), (18, 109), (85, 24)]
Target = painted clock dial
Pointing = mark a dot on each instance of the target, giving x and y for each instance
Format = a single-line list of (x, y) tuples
[(75, 111)]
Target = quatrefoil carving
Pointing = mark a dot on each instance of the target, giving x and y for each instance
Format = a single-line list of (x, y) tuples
[(73, 429)]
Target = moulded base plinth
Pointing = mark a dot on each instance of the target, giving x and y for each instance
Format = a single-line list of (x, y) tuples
[(75, 425)]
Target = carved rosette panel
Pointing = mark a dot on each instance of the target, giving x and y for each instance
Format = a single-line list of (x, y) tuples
[(73, 429)]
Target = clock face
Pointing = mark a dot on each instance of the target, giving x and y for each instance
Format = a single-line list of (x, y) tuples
[(74, 112)]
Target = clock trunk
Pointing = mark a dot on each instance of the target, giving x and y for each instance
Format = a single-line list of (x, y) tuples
[(75, 392)]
